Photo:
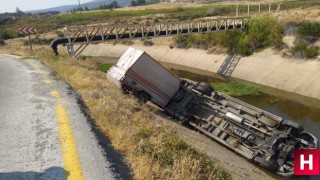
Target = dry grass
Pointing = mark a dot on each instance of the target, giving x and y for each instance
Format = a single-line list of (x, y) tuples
[(164, 5), (148, 143), (299, 15)]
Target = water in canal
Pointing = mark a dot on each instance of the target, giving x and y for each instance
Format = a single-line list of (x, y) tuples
[(307, 116)]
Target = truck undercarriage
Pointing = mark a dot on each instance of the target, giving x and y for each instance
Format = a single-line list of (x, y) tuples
[(255, 134)]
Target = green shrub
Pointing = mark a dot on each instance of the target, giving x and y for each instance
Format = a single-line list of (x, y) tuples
[(228, 39), (4, 35), (303, 50), (299, 49), (309, 29), (311, 52), (180, 41), (300, 46), (198, 41), (244, 46), (264, 31)]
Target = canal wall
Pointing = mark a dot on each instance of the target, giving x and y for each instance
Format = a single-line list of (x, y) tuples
[(266, 67)]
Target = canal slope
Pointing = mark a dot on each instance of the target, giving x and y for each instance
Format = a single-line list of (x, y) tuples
[(266, 67)]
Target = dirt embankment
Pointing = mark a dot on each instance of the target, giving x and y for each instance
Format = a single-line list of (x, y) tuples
[(266, 67)]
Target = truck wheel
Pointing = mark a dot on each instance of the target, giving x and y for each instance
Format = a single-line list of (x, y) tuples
[(266, 164), (292, 124), (143, 96), (178, 96), (125, 89), (204, 88)]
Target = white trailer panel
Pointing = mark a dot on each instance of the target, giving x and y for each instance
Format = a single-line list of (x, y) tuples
[(137, 70)]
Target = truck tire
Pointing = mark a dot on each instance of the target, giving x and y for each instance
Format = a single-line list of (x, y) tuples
[(204, 88), (125, 89), (143, 96), (266, 164), (293, 125), (178, 96)]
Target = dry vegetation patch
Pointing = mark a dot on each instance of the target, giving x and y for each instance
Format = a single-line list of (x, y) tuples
[(148, 143)]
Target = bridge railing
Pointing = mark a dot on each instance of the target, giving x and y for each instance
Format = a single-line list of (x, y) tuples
[(94, 34)]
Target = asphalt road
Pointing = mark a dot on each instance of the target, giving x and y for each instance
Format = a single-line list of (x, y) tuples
[(44, 132)]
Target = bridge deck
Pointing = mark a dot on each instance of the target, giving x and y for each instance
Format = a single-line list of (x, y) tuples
[(95, 34)]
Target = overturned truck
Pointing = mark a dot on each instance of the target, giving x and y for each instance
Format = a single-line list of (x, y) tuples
[(257, 135)]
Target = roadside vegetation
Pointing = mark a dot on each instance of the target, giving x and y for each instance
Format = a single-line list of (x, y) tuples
[(149, 143), (308, 34), (263, 32), (4, 34), (308, 28), (304, 49)]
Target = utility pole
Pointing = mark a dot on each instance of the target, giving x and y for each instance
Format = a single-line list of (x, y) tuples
[(80, 8)]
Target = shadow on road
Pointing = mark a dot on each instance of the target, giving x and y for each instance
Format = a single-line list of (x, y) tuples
[(57, 173)]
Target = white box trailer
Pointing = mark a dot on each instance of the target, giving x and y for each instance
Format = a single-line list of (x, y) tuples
[(145, 77)]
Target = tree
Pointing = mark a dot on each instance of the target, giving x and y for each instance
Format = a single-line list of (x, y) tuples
[(154, 1), (100, 7), (18, 11), (113, 5), (137, 2), (86, 8)]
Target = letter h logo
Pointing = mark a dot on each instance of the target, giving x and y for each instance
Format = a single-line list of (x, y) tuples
[(306, 162)]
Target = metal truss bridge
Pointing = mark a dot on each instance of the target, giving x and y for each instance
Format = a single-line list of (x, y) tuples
[(85, 35)]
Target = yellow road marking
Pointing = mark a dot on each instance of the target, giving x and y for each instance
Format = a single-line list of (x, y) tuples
[(39, 70), (67, 141), (69, 149), (47, 80), (33, 65), (55, 94)]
